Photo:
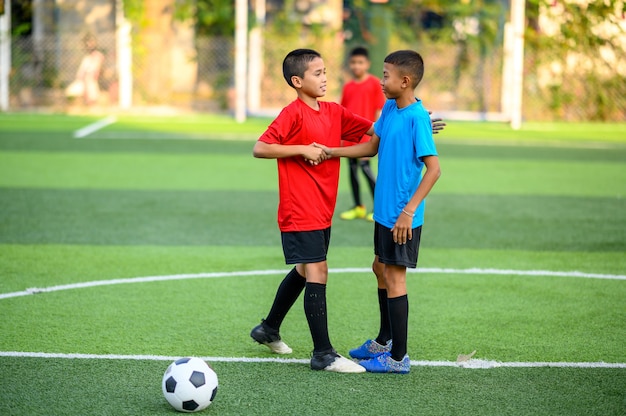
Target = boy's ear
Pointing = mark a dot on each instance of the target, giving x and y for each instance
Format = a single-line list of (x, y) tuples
[(406, 81), (296, 81)]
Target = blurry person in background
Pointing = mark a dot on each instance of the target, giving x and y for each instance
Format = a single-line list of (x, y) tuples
[(86, 84)]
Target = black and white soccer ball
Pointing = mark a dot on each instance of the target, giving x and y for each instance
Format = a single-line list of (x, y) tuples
[(189, 384)]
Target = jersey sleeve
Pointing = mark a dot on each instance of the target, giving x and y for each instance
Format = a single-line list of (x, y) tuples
[(353, 127), (423, 136), (278, 131)]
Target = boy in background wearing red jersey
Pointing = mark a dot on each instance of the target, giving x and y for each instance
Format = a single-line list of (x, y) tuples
[(363, 96), (307, 197)]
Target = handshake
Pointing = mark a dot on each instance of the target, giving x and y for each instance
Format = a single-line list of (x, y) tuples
[(316, 153)]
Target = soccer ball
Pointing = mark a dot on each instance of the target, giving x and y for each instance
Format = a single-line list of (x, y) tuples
[(189, 384)]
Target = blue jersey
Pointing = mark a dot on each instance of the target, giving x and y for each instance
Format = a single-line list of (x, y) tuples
[(406, 136)]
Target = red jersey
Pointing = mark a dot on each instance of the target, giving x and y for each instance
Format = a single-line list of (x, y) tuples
[(364, 98), (307, 193)]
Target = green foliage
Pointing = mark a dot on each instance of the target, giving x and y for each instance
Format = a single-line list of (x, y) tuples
[(21, 17), (584, 74), (408, 16), (216, 17), (134, 11), (211, 17)]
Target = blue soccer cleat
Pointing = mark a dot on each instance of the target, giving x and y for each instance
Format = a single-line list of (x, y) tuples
[(385, 364), (369, 349)]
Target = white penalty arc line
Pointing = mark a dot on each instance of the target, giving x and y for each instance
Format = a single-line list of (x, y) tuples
[(93, 127), (146, 279), (472, 363)]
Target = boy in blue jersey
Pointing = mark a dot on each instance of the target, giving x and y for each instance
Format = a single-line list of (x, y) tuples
[(404, 142)]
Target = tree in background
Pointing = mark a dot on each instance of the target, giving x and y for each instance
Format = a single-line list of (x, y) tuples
[(579, 54)]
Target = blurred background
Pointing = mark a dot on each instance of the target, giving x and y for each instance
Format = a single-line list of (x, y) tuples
[(131, 55)]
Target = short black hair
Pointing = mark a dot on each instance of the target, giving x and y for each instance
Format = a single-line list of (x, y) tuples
[(360, 51), (409, 63), (296, 63)]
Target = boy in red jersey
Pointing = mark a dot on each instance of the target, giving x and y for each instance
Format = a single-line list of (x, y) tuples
[(363, 96), (307, 197)]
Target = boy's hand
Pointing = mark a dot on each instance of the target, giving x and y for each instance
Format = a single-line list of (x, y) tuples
[(314, 154), (437, 124), (402, 231), (326, 149)]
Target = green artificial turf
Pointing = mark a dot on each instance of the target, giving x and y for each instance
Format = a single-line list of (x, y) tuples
[(122, 388), (177, 198)]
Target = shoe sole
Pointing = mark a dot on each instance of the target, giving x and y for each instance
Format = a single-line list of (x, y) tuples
[(374, 367), (278, 347), (343, 365)]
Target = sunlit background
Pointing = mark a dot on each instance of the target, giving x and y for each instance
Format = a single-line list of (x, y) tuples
[(224, 56)]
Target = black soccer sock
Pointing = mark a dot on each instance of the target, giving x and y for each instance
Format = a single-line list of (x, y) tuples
[(288, 292), (399, 316), (354, 181), (369, 175), (384, 334), (315, 311)]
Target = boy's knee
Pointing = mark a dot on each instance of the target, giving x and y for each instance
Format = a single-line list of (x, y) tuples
[(378, 268), (316, 272)]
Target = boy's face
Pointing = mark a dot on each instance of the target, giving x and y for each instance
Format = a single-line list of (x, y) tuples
[(313, 83), (393, 81), (359, 65)]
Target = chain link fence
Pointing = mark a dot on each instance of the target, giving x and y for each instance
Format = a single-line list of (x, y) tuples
[(42, 71), (457, 78)]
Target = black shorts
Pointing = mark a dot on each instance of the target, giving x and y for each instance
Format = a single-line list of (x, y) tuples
[(389, 252), (305, 246)]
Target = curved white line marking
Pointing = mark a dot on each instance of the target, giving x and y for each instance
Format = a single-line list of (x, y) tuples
[(473, 363), (34, 290)]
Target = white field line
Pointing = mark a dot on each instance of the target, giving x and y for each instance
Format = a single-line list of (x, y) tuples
[(93, 127), (146, 279), (472, 363), (123, 135), (248, 136)]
